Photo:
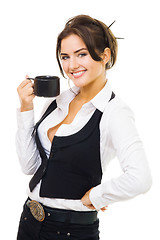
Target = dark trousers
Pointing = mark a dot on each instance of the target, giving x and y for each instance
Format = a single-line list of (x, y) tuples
[(31, 229)]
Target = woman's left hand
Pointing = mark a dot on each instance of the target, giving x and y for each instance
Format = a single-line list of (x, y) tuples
[(86, 202)]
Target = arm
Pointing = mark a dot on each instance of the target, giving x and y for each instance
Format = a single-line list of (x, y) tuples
[(27, 151), (136, 177), (25, 143)]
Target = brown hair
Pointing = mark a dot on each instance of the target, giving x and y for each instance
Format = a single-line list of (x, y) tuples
[(95, 34)]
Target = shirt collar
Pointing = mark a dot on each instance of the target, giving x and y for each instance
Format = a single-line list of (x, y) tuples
[(102, 98), (99, 101), (66, 97)]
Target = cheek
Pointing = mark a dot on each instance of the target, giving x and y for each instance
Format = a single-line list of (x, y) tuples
[(97, 68), (94, 68), (64, 66), (91, 64)]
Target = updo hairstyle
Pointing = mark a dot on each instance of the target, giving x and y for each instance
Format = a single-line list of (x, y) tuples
[(96, 36)]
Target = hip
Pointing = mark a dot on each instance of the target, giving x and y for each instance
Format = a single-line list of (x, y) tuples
[(49, 224)]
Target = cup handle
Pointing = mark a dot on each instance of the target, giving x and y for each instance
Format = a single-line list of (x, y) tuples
[(31, 78)]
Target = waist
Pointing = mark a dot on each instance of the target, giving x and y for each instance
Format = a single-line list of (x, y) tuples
[(44, 213), (70, 204)]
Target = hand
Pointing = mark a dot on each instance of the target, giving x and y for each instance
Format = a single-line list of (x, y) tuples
[(25, 92), (86, 202)]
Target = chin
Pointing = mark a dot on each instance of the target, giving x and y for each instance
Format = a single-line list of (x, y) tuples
[(80, 85), (79, 82)]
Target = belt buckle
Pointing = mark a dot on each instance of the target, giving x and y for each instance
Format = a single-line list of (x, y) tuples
[(37, 210)]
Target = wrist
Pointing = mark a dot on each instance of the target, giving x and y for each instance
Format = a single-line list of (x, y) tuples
[(25, 108)]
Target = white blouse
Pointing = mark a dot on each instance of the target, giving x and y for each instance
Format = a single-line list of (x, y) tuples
[(118, 137)]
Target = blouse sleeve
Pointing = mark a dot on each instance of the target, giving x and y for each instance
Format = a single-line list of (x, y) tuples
[(136, 178), (27, 151), (26, 147)]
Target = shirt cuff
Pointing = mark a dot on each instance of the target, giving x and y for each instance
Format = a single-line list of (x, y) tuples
[(96, 199), (25, 119)]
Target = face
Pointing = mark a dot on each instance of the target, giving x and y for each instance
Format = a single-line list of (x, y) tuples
[(78, 64)]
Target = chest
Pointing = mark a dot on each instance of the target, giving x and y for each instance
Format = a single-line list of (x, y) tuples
[(75, 160), (74, 108)]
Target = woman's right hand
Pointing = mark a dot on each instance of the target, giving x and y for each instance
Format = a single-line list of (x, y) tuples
[(26, 95)]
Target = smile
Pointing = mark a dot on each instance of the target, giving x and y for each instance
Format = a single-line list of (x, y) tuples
[(78, 74)]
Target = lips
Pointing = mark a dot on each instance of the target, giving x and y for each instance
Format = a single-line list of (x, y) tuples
[(78, 74)]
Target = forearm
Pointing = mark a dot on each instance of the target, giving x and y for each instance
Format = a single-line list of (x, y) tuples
[(135, 180), (136, 177), (27, 151)]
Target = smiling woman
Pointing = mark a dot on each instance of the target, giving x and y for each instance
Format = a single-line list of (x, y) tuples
[(80, 67), (68, 149), (95, 35)]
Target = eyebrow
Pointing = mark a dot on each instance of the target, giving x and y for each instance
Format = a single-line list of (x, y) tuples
[(75, 51)]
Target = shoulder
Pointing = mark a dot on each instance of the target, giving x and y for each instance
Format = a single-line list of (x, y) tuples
[(116, 112), (119, 124)]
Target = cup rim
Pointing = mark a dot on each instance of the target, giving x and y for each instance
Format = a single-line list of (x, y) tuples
[(47, 77)]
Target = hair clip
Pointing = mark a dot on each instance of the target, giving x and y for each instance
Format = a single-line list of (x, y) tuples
[(119, 38), (111, 24)]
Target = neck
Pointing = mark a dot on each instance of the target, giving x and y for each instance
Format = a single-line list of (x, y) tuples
[(90, 91)]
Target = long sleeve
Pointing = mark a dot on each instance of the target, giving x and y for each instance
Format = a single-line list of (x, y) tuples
[(118, 136), (136, 177), (27, 151)]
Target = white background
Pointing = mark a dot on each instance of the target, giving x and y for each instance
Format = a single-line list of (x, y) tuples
[(27, 45)]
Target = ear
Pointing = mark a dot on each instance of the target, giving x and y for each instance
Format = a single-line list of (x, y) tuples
[(106, 55)]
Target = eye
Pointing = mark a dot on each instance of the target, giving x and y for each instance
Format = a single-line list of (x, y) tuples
[(82, 54), (64, 57)]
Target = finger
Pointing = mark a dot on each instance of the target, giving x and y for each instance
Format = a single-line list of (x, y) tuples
[(25, 91), (91, 207), (28, 89), (24, 83), (28, 85), (103, 209), (30, 82), (31, 97), (27, 76)]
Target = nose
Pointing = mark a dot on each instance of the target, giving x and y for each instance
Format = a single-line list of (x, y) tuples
[(73, 63)]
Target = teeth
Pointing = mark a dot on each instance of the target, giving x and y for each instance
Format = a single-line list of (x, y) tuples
[(77, 74)]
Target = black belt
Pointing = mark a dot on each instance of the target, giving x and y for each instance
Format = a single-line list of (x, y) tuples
[(41, 213)]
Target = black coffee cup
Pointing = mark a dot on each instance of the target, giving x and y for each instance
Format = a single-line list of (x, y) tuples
[(46, 86)]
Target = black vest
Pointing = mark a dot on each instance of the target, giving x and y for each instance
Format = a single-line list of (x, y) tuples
[(74, 164)]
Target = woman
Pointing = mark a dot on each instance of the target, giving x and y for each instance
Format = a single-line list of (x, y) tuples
[(68, 150)]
